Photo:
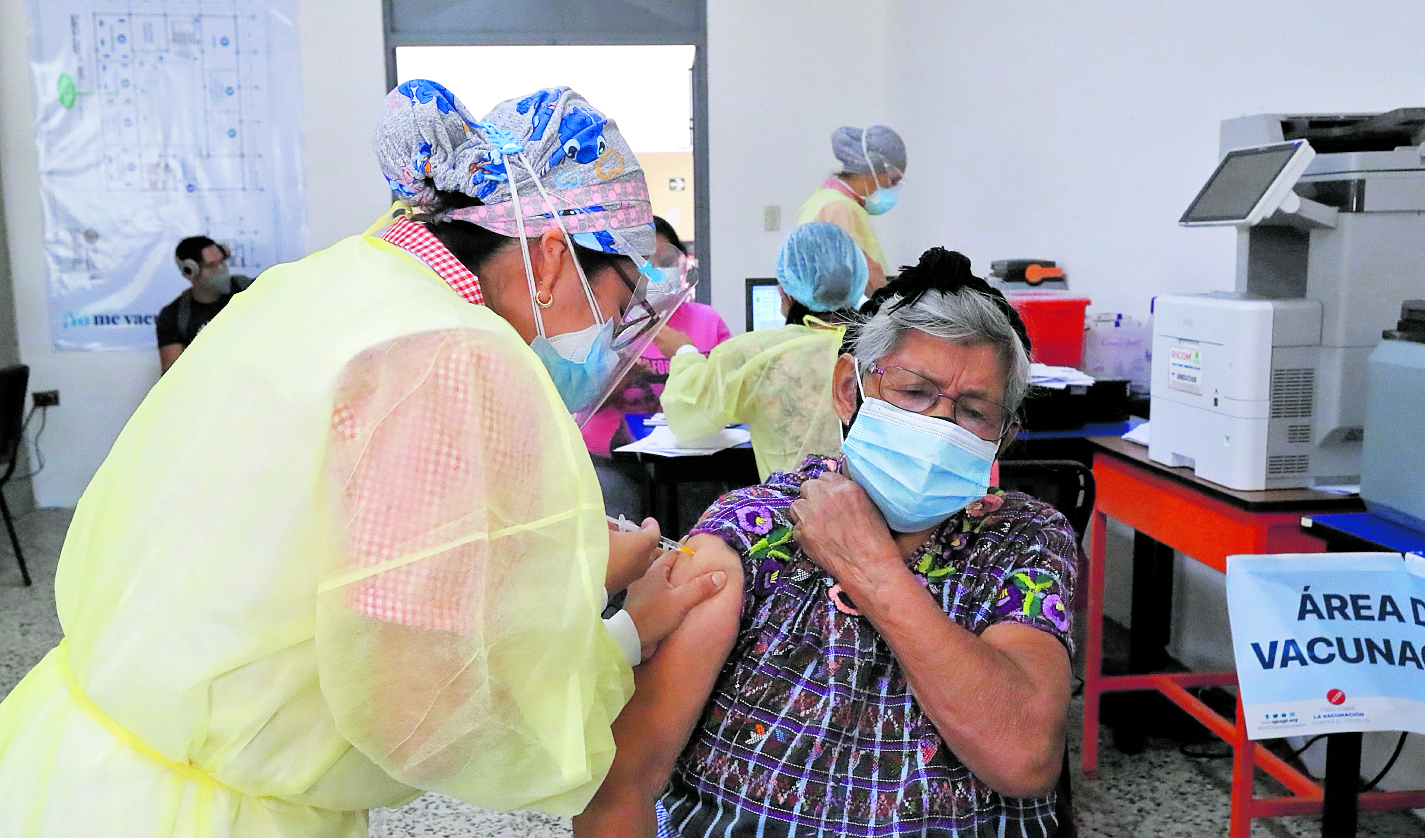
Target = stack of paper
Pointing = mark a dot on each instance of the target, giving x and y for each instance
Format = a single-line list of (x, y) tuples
[(1057, 378), (662, 442)]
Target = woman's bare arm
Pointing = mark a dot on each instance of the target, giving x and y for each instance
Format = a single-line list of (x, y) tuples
[(670, 692)]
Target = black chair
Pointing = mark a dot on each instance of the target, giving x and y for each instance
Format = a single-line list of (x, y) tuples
[(14, 386), (1066, 485)]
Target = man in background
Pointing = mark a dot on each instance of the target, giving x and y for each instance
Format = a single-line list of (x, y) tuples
[(204, 263)]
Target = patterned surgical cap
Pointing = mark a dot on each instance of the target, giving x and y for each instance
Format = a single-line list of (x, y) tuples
[(425, 136)]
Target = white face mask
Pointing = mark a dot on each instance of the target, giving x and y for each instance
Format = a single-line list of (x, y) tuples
[(219, 281), (575, 346)]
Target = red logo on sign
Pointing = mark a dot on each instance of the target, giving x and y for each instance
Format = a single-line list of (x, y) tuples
[(1336, 697)]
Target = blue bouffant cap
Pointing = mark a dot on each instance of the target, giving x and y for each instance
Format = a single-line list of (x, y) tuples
[(822, 268)]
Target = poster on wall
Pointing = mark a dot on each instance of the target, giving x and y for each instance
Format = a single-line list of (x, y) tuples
[(156, 120), (1328, 643)]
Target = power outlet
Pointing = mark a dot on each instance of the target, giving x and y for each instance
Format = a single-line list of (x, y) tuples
[(46, 398)]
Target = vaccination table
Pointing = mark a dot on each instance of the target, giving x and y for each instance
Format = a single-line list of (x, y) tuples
[(1171, 509), (735, 467)]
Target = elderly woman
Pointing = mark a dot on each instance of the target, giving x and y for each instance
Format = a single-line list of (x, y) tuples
[(897, 654)]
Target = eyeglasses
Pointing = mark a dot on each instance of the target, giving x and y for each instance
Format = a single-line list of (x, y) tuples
[(637, 319), (914, 392)]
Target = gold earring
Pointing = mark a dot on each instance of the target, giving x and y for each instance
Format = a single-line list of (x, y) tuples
[(542, 303)]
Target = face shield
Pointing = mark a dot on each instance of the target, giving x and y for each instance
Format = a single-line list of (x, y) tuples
[(587, 374), (662, 286)]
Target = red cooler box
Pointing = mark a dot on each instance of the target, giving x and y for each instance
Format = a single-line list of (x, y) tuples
[(1055, 321)]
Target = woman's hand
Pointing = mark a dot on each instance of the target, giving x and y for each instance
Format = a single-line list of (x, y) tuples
[(634, 394), (669, 339), (658, 607), (841, 530), (630, 554)]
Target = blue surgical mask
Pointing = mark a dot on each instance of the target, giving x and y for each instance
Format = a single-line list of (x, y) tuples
[(882, 199), (580, 363), (918, 470)]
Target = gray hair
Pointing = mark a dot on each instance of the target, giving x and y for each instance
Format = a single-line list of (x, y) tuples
[(968, 317)]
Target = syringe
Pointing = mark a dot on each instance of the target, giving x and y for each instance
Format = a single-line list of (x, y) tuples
[(622, 524)]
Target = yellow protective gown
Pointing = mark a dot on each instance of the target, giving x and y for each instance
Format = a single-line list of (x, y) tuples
[(777, 382), (836, 207), (348, 549)]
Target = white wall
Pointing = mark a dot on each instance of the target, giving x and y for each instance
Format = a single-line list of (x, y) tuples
[(343, 83), (343, 87), (782, 77), (1080, 131)]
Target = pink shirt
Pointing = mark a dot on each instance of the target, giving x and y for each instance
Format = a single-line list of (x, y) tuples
[(703, 326)]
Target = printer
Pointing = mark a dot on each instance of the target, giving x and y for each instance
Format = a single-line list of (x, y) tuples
[(1264, 387)]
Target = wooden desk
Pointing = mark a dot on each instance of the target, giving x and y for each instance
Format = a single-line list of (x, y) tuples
[(1171, 509)]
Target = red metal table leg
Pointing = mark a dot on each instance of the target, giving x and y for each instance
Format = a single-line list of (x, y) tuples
[(1244, 769), (1093, 654)]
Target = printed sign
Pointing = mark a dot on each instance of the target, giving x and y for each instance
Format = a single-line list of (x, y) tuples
[(1328, 643), (157, 120), (1185, 368)]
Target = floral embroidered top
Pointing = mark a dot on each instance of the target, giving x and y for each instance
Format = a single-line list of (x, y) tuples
[(811, 728)]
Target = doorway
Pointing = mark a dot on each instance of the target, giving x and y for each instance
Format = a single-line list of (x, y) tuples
[(646, 89)]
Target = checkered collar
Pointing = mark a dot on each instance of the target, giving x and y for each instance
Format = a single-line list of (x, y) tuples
[(416, 240)]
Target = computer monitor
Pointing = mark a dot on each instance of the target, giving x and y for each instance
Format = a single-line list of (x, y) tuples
[(1249, 184), (764, 305)]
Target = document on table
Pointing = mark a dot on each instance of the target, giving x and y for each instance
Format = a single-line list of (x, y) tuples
[(662, 443), (1057, 378), (1138, 434)]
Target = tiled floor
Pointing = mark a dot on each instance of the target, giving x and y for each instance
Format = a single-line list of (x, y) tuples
[(1155, 794)]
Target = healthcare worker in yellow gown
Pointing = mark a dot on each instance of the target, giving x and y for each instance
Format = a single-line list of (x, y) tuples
[(778, 382), (872, 165), (351, 547)]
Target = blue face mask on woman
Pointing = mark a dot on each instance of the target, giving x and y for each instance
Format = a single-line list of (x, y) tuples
[(918, 470), (882, 199), (580, 363)]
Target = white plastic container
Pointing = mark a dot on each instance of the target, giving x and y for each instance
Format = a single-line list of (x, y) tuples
[(1117, 346), (1393, 452)]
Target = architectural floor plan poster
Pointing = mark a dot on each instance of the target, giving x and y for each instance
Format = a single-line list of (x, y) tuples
[(157, 120)]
